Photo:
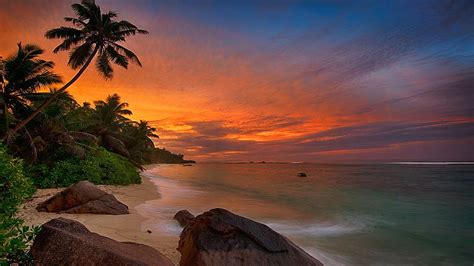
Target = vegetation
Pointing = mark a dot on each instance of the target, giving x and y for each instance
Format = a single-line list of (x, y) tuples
[(59, 140), (99, 167), (165, 156), (93, 33), (15, 187), (24, 73)]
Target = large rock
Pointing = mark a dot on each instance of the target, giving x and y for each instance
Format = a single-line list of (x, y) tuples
[(67, 242), (220, 237), (83, 197), (183, 217)]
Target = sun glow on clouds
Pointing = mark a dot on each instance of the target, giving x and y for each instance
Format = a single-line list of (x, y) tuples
[(295, 82)]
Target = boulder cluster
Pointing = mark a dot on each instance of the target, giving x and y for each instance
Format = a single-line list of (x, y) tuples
[(83, 197), (216, 237)]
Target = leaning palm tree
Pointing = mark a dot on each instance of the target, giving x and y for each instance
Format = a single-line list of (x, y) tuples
[(3, 107), (23, 74), (94, 34)]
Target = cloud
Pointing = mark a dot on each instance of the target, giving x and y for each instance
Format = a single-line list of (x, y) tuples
[(284, 80), (350, 138)]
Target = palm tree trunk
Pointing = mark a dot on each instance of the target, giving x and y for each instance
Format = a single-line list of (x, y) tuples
[(34, 151), (55, 94)]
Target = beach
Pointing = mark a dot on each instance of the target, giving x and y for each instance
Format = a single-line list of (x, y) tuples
[(340, 214), (130, 227)]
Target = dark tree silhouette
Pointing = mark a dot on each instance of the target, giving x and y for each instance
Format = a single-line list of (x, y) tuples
[(94, 34)]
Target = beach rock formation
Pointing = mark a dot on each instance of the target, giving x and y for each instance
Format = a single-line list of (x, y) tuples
[(83, 197), (220, 237), (183, 217), (67, 242)]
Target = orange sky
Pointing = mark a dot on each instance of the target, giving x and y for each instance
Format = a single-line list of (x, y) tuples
[(218, 91)]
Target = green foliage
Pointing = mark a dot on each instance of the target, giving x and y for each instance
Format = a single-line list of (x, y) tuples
[(99, 167), (15, 240), (24, 73), (164, 156), (15, 187)]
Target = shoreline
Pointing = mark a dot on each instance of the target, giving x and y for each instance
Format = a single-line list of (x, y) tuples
[(130, 227)]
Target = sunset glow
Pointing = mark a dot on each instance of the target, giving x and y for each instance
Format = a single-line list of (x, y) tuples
[(285, 82)]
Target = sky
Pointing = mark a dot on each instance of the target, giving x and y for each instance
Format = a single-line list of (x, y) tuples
[(318, 81)]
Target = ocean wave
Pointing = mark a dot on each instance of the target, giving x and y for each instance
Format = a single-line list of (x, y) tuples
[(328, 259), (315, 229)]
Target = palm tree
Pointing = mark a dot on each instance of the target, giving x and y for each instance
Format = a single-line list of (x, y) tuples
[(94, 33), (3, 107), (48, 132), (59, 110), (138, 140), (143, 131), (110, 114), (23, 74), (109, 120)]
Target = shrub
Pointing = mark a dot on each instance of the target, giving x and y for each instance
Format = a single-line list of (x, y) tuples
[(99, 167), (15, 187)]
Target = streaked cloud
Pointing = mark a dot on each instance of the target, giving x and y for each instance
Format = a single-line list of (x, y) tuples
[(289, 80)]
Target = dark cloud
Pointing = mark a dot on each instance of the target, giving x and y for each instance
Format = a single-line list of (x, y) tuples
[(385, 134), (286, 79), (349, 138)]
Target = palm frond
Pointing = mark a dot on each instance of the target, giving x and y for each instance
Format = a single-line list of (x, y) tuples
[(126, 52), (81, 11), (80, 55), (103, 65), (116, 57), (76, 21), (68, 43), (63, 33)]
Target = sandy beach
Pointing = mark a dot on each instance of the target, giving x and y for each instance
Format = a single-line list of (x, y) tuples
[(130, 227)]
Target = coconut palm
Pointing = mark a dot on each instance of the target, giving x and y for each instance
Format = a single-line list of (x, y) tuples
[(48, 134), (94, 34), (111, 114), (3, 108), (109, 118), (142, 131), (138, 140), (23, 74)]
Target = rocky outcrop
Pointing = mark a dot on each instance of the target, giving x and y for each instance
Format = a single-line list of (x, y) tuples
[(183, 217), (67, 242), (220, 237), (83, 197), (85, 137), (115, 145)]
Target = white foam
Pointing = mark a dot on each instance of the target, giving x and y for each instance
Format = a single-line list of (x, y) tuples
[(315, 229), (328, 259), (174, 194)]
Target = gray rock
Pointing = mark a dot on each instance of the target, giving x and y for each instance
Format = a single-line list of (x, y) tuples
[(67, 242), (220, 237), (183, 217), (83, 197)]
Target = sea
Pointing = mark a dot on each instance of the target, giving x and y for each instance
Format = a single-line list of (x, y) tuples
[(399, 213)]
